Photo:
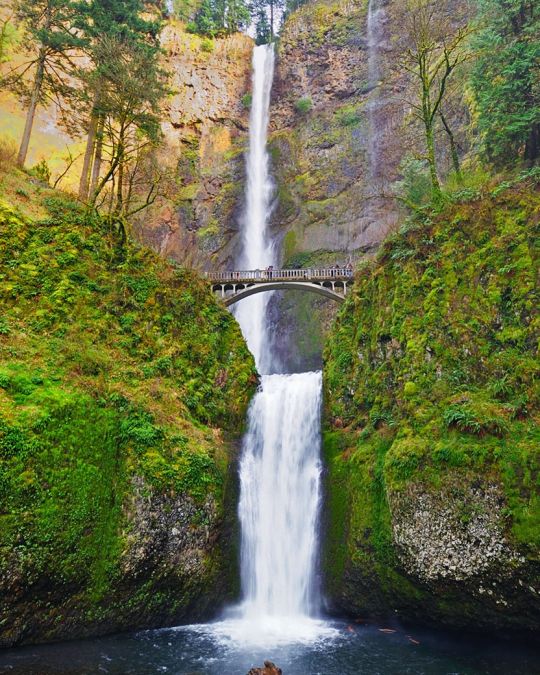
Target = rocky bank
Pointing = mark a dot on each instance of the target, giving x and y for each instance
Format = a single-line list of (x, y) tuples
[(123, 391), (432, 429)]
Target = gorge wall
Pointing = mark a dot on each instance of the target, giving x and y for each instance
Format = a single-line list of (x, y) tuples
[(432, 421), (343, 133), (205, 131), (123, 390), (343, 124)]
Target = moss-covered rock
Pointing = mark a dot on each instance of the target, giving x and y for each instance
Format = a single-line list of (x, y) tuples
[(122, 387), (432, 408)]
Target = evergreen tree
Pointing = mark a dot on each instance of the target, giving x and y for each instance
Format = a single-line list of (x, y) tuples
[(126, 24), (132, 86), (266, 14), (263, 32), (221, 17), (205, 22), (7, 36), (506, 79), (49, 34)]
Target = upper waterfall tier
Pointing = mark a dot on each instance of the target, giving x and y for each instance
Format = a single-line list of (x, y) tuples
[(257, 249)]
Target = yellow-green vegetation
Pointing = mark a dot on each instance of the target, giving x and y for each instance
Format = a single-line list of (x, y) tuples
[(431, 380), (116, 369)]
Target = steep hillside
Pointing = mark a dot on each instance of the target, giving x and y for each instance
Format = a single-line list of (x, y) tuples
[(123, 385), (432, 412)]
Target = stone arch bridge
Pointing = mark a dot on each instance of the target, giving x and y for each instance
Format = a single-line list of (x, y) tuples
[(234, 286)]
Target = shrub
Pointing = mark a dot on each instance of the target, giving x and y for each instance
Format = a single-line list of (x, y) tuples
[(246, 100), (41, 170), (207, 45), (348, 117), (303, 105), (415, 185), (8, 154)]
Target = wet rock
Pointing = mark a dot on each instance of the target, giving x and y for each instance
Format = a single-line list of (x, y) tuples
[(268, 669), (439, 537)]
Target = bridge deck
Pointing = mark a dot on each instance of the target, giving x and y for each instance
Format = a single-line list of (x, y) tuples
[(262, 276)]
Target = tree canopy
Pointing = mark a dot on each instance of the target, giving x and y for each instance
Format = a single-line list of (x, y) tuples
[(506, 79)]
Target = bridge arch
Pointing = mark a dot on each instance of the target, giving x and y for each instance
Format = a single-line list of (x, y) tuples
[(249, 290)]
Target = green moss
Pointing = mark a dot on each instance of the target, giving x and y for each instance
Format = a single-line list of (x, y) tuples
[(348, 115), (188, 192), (435, 352), (289, 244), (116, 367)]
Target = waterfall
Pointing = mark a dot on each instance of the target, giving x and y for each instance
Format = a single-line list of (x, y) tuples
[(280, 467), (280, 479), (376, 18), (257, 249)]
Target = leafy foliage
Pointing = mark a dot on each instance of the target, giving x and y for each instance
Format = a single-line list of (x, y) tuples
[(435, 353), (506, 77)]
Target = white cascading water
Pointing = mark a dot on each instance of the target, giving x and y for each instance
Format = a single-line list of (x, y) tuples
[(376, 17), (280, 468), (257, 249), (280, 484)]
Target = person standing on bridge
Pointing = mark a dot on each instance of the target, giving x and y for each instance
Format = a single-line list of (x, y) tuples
[(270, 271)]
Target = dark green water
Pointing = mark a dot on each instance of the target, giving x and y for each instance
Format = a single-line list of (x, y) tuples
[(342, 649)]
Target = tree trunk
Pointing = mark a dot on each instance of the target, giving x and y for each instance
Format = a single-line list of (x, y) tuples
[(84, 184), (532, 147), (453, 147), (428, 115), (120, 185), (430, 143), (120, 189), (31, 113), (271, 21), (96, 169)]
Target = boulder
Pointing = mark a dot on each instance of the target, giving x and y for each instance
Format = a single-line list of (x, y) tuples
[(269, 668)]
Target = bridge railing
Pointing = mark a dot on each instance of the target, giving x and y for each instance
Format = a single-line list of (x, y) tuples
[(280, 275)]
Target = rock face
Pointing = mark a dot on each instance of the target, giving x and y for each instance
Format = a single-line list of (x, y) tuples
[(438, 541), (205, 127), (432, 422), (342, 131), (342, 125), (163, 575)]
